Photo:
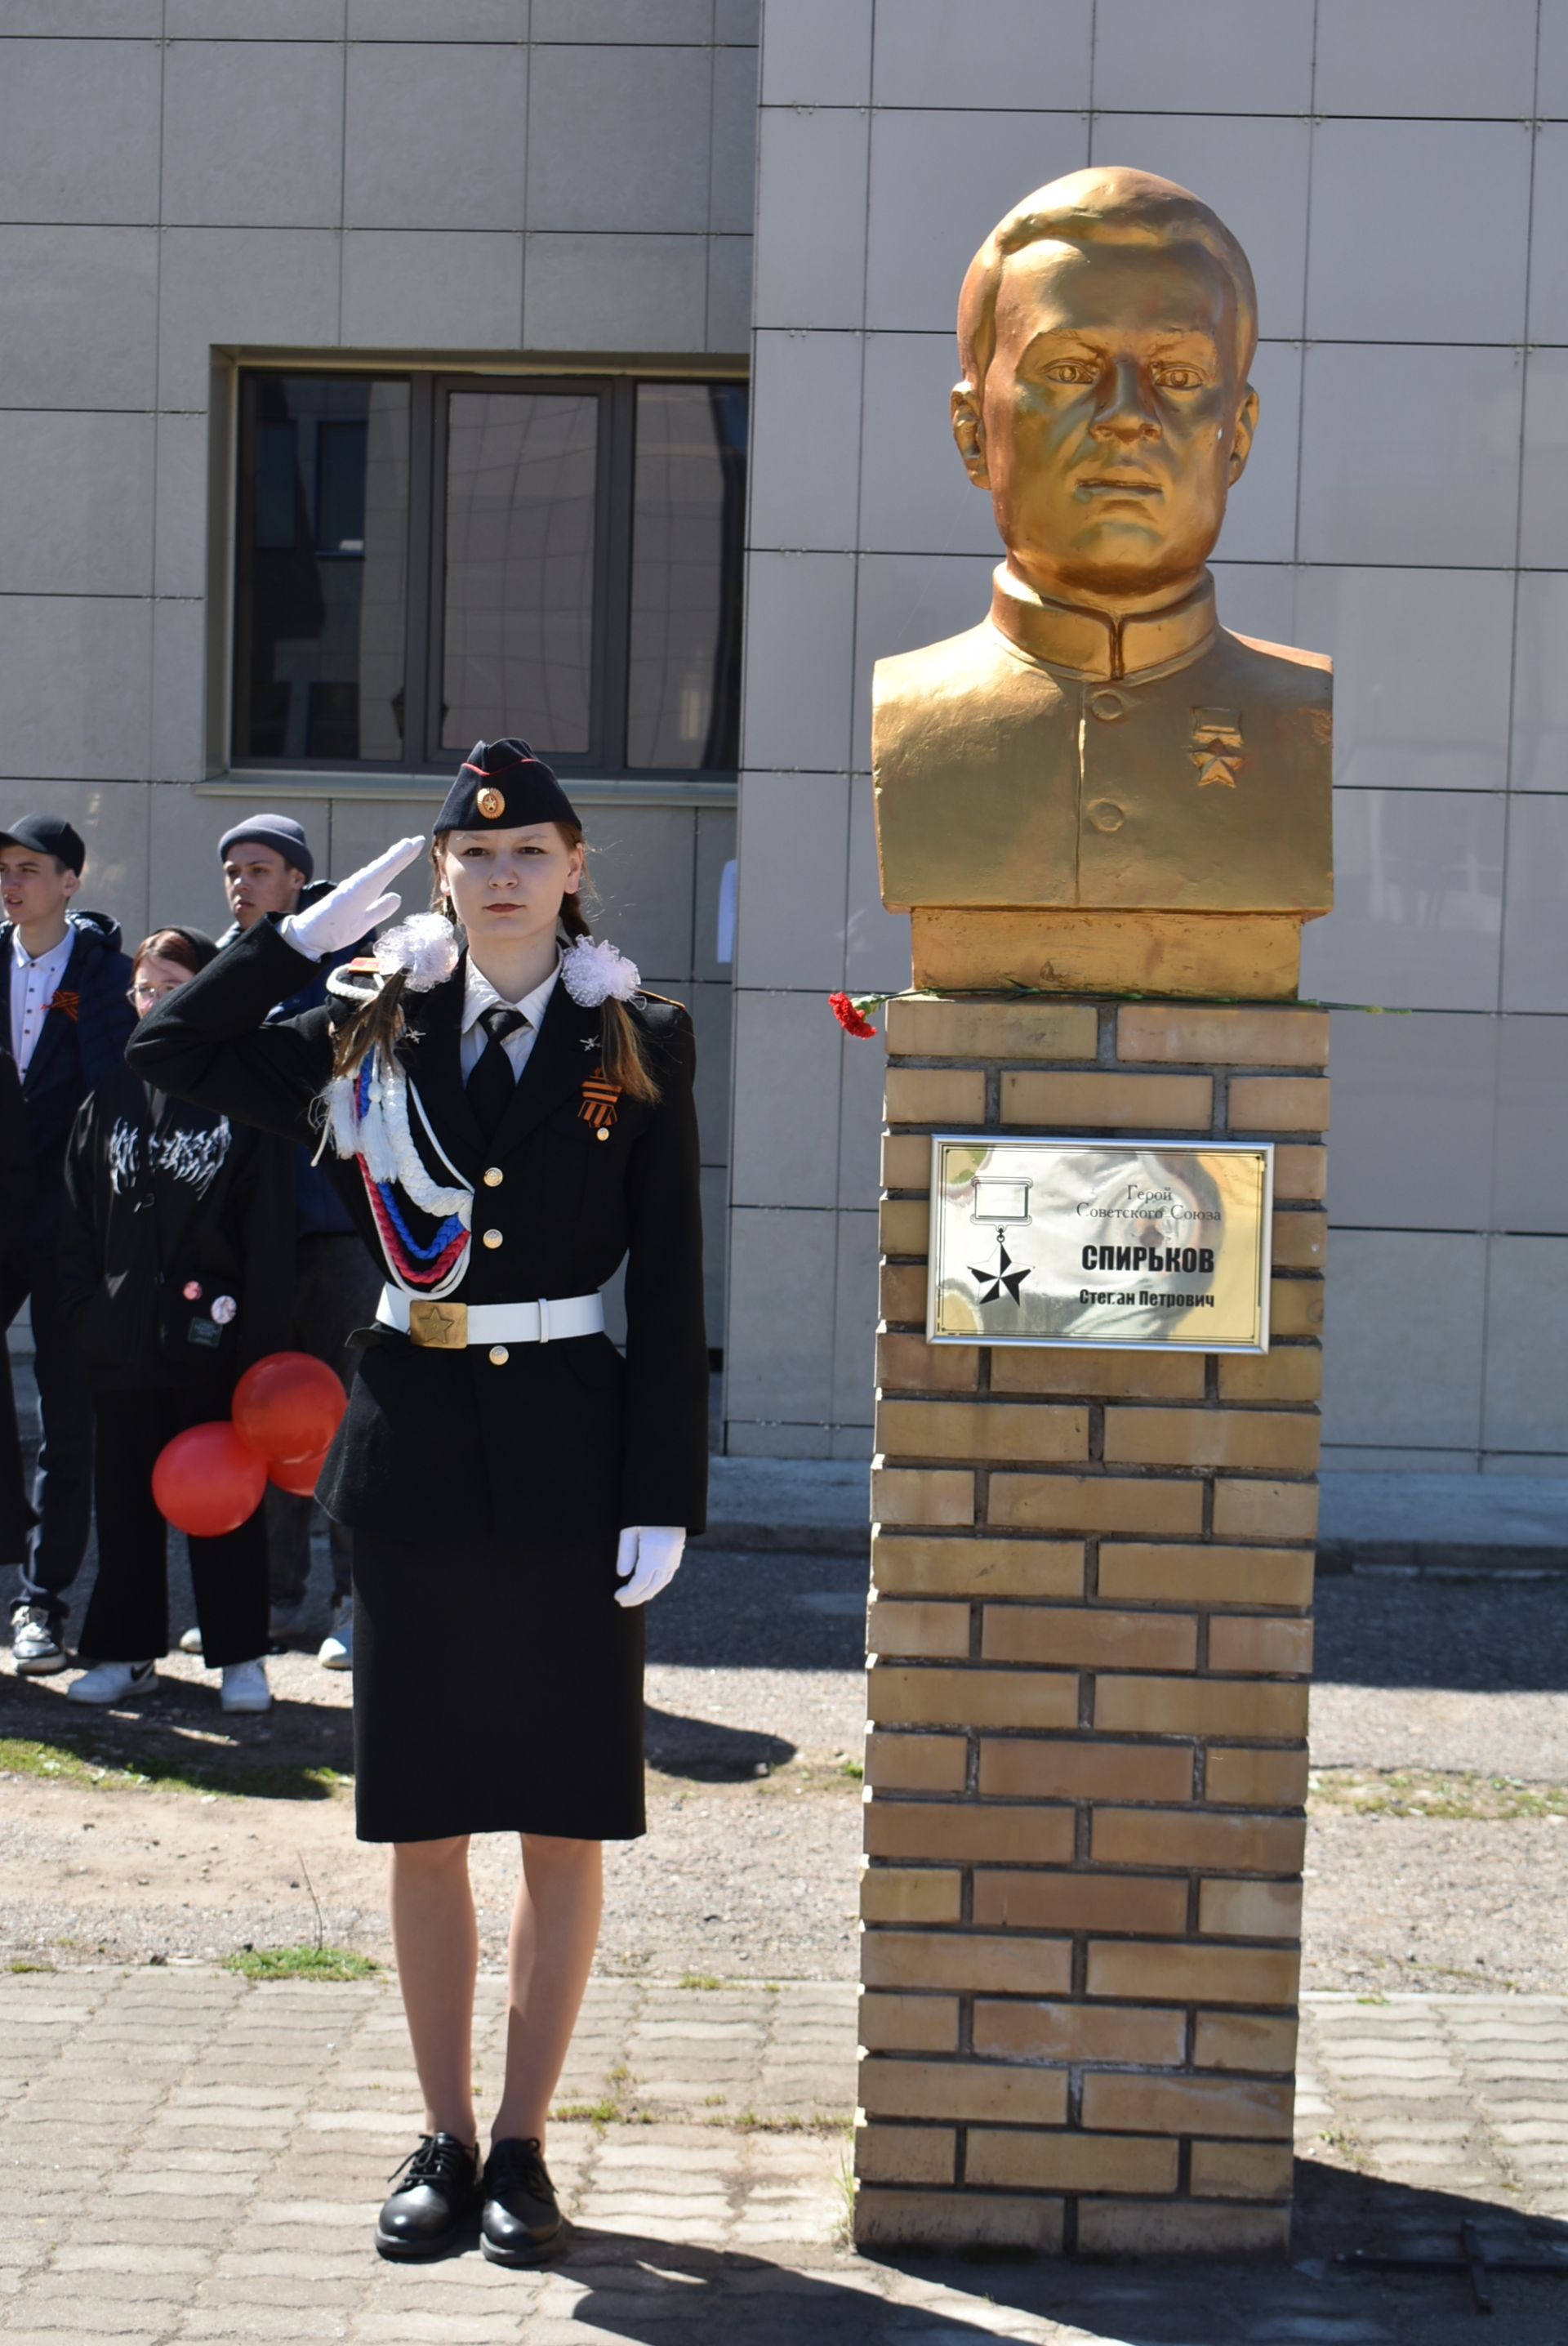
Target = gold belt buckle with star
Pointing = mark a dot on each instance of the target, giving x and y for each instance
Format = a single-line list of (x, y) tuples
[(439, 1327)]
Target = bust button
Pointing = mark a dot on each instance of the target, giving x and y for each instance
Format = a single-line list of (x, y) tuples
[(492, 1237), (494, 1177), (499, 1356), (1106, 815), (1108, 705)]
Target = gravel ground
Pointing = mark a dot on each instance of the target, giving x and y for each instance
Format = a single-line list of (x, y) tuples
[(756, 1665)]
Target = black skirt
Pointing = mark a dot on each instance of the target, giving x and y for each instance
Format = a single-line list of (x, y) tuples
[(495, 1690)]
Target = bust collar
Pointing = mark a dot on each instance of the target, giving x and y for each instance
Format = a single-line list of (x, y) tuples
[(1091, 643)]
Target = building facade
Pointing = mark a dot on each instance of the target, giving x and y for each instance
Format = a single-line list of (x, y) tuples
[(373, 370)]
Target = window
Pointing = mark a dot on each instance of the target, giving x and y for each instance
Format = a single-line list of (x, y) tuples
[(423, 562)]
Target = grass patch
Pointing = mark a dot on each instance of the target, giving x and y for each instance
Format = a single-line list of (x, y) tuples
[(855, 1769), (91, 1760), (705, 1981), (1426, 1793), (300, 1963), (20, 1963)]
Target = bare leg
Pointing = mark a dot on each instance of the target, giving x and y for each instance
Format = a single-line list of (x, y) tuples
[(437, 1946), (554, 1930)]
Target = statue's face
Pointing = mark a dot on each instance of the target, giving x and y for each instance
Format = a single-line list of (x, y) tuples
[(1112, 422)]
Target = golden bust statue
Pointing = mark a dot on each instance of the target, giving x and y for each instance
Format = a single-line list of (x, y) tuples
[(1099, 743)]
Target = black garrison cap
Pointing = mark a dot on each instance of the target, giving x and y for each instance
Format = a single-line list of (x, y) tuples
[(501, 786)]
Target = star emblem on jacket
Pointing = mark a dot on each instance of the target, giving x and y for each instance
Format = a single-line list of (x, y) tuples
[(1216, 748)]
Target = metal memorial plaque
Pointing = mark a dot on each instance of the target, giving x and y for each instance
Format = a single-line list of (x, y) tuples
[(1155, 1245)]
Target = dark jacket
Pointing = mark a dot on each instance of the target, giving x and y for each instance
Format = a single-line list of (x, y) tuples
[(16, 1516), (164, 1197), (81, 1042), (563, 1441)]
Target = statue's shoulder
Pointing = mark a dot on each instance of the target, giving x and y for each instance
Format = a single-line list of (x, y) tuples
[(952, 669), (1305, 678)]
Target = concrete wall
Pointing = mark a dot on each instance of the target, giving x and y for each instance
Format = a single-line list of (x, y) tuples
[(1398, 171)]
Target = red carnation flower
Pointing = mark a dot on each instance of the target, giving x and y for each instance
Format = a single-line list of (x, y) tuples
[(849, 1015)]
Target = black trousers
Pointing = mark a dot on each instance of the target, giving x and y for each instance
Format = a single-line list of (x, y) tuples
[(128, 1614), (63, 1485), (336, 1289)]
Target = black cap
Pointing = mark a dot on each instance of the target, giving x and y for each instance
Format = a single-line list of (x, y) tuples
[(275, 831), (204, 947), (50, 834), (502, 785)]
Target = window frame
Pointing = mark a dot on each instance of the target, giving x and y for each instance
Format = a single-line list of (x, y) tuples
[(431, 391)]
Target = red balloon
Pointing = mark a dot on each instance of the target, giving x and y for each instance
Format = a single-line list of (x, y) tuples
[(207, 1481), (301, 1478), (287, 1407)]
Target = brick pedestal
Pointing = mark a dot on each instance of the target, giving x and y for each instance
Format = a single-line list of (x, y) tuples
[(1090, 1645)]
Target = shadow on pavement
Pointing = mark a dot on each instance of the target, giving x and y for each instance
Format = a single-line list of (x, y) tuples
[(179, 1735), (708, 1753)]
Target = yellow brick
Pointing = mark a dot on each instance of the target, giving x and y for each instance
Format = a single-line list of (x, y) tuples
[(1236, 1642), (1197, 1836), (1106, 1103), (1226, 1038), (1301, 1241), (1245, 2040), (902, 1291), (1290, 1372), (1112, 1376), (1095, 1502), (982, 1430), (964, 1829), (1087, 1901), (1078, 2032), (909, 2024), (908, 1364), (892, 1893), (1205, 1576), (1069, 2161), (980, 1567), (1266, 1511), (1180, 2227), (1249, 1910), (1226, 2105), (928, 1028), (977, 1697), (919, 1628), (1256, 1780), (962, 1963), (1147, 1706), (1294, 1307), (1300, 1171), (899, 2153), (906, 1161), (1015, 1766), (1255, 1438), (1230, 2170), (1090, 1640), (922, 1495), (1213, 1975), (960, 2220), (916, 1763), (963, 2091), (1276, 1102), (935, 1095), (903, 1225)]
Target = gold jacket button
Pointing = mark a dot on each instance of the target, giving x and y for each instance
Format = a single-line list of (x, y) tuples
[(1106, 815), (601, 1134), (499, 1356), (492, 1237), (494, 1177)]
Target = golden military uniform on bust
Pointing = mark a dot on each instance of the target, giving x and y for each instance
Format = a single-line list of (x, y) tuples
[(1099, 743)]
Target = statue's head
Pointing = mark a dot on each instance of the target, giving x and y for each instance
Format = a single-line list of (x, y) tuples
[(1105, 328)]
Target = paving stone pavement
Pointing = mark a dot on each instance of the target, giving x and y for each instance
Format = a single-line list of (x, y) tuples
[(189, 2157)]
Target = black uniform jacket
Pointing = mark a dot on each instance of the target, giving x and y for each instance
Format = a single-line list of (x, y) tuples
[(561, 1444), (163, 1196), (80, 1042)]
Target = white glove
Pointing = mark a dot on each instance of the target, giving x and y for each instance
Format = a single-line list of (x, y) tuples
[(648, 1560), (355, 906)]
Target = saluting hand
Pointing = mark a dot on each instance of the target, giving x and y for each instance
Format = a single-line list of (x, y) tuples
[(650, 1554), (356, 905)]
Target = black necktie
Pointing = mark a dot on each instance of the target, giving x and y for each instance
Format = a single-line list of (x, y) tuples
[(489, 1087)]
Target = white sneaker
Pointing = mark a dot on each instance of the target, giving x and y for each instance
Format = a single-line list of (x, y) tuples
[(191, 1642), (337, 1645), (245, 1686), (112, 1681)]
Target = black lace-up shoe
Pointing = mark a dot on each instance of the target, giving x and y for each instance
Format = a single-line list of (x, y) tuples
[(437, 2189), (522, 2222)]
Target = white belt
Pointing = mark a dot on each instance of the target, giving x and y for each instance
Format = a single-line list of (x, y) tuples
[(448, 1327)]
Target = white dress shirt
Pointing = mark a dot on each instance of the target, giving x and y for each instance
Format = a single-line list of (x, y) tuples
[(32, 983), (478, 996)]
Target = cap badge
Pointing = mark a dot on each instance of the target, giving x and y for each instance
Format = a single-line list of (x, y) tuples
[(490, 804)]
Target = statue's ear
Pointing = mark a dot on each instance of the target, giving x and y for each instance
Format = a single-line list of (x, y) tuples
[(969, 432), (1245, 426)]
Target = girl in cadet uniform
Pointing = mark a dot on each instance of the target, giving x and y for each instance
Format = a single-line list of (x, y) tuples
[(507, 1117)]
